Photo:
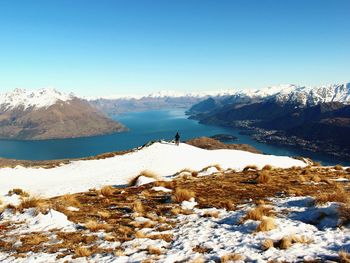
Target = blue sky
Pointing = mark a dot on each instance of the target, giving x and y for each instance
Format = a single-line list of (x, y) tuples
[(106, 47)]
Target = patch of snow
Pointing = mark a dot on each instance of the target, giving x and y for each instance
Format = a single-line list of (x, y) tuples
[(33, 222), (189, 204), (161, 188), (144, 180), (73, 209)]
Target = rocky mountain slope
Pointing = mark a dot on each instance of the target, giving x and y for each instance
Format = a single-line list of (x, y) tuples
[(48, 114), (286, 114)]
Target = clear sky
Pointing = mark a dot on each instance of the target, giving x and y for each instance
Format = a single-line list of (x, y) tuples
[(106, 47)]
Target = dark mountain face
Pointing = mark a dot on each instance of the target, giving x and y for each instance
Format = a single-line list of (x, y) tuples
[(328, 122)]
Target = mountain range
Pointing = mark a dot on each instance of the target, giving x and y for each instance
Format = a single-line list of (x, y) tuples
[(49, 114), (314, 118)]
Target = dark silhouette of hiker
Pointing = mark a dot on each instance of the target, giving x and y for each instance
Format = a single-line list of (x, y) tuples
[(177, 139)]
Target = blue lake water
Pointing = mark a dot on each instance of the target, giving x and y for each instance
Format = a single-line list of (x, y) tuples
[(144, 127)]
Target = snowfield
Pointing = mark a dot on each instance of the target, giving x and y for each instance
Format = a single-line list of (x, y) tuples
[(163, 158)]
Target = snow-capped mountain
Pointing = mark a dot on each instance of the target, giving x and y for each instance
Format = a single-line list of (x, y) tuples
[(301, 95), (42, 98), (49, 114)]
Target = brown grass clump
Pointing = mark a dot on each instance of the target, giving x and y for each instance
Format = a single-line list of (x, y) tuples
[(250, 167), (182, 194), (306, 171), (316, 178), (267, 244), (258, 213), (344, 256), (301, 178), (214, 214), (82, 252), (227, 204), (18, 191), (70, 200), (344, 214), (230, 257), (285, 242), (198, 259), (266, 224), (338, 167), (104, 214), (107, 191), (94, 226), (267, 167), (338, 196), (33, 239), (263, 177), (154, 250), (165, 237), (138, 206), (33, 202)]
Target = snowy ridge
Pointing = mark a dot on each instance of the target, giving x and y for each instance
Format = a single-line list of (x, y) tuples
[(41, 98), (165, 159), (288, 93)]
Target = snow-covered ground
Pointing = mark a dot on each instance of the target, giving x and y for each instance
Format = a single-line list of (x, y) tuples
[(165, 159), (219, 235)]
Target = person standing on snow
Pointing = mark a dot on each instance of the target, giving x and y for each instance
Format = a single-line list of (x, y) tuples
[(177, 139)]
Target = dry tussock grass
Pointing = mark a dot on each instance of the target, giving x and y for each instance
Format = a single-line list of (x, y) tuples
[(315, 178), (214, 214), (226, 204), (82, 252), (95, 226), (285, 242), (263, 177), (258, 213), (267, 244), (182, 194), (107, 191), (34, 239), (344, 214), (138, 207), (198, 259), (344, 256), (266, 224), (230, 257), (154, 250), (69, 200), (104, 214), (268, 167), (338, 196), (338, 167), (33, 202), (18, 191), (250, 167)]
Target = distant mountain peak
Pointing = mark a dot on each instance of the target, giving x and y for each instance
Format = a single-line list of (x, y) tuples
[(41, 98)]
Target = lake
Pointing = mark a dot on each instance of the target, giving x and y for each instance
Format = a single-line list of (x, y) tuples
[(144, 127)]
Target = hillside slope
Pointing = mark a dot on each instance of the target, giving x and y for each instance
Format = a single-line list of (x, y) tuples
[(48, 114)]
